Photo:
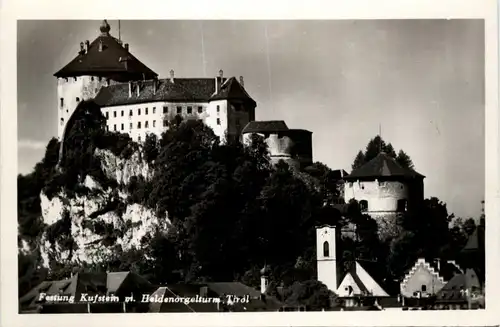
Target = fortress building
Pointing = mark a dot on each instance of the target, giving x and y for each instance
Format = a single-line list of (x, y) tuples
[(136, 102), (383, 188), (294, 146)]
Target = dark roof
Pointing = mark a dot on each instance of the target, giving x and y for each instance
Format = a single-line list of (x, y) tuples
[(233, 288), (383, 166), (114, 61), (453, 290), (476, 241), (231, 89), (181, 89), (268, 126)]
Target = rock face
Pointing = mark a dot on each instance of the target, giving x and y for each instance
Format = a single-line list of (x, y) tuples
[(92, 227)]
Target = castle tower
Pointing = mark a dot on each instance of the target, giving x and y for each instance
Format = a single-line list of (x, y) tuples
[(98, 64), (230, 108), (326, 256), (384, 189)]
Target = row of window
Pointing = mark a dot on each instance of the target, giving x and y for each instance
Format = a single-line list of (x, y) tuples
[(401, 206), (189, 110), (379, 184), (139, 125)]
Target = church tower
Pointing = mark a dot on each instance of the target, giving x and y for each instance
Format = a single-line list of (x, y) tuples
[(98, 64), (326, 256)]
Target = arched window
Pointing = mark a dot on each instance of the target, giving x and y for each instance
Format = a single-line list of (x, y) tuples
[(424, 288), (326, 249), (363, 205), (402, 205)]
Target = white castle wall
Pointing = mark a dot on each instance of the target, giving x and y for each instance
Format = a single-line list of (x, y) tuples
[(381, 196), (73, 90)]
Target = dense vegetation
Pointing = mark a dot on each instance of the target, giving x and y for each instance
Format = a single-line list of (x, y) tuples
[(229, 212)]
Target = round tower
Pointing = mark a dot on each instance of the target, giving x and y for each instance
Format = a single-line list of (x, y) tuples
[(384, 189), (97, 64)]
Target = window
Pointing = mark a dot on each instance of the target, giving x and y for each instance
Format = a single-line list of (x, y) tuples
[(107, 128), (218, 121), (123, 127), (326, 249), (218, 108), (131, 126), (402, 205), (154, 123), (424, 288), (165, 123), (190, 110), (179, 110), (114, 114), (61, 102), (139, 112), (114, 127), (138, 139), (62, 121), (130, 113), (165, 109), (139, 125), (154, 110), (146, 125), (363, 205), (107, 115), (200, 110), (77, 99), (146, 111), (123, 113)]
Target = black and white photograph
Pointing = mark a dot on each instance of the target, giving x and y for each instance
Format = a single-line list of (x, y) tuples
[(250, 166)]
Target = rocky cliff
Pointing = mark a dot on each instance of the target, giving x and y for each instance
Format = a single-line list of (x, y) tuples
[(93, 225)]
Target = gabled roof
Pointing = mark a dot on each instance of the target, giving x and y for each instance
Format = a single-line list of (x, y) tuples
[(268, 126), (358, 282), (231, 89), (455, 289), (383, 166), (106, 57), (475, 242), (181, 89)]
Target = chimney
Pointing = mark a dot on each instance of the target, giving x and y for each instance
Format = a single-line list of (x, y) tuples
[(326, 256), (87, 45), (130, 89), (438, 264), (171, 76), (82, 49), (218, 81), (221, 74), (242, 83), (126, 46)]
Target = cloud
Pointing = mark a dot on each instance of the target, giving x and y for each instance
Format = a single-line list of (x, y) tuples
[(31, 144)]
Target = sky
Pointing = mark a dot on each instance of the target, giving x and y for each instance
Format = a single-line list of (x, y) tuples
[(420, 82)]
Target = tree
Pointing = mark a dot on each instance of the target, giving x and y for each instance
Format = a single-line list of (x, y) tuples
[(312, 294), (377, 145), (404, 160)]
